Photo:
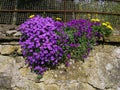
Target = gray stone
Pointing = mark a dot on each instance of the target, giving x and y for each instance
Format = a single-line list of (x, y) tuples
[(10, 43), (100, 71), (8, 49), (16, 75), (52, 87), (6, 72), (9, 27), (17, 34), (6, 65), (11, 32), (116, 32), (5, 81), (19, 50), (118, 88), (1, 29), (116, 53), (109, 66), (105, 68), (2, 34)]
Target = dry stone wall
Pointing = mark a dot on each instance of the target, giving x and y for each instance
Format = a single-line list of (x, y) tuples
[(100, 71)]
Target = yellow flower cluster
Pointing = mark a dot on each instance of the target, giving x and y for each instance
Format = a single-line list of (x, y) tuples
[(58, 19), (108, 25), (31, 16), (95, 20)]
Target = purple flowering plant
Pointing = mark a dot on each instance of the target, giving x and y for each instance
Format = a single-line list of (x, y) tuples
[(39, 43), (81, 37), (46, 43)]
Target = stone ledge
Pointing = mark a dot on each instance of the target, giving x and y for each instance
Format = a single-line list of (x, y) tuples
[(98, 72), (113, 38), (107, 39), (2, 39), (10, 50)]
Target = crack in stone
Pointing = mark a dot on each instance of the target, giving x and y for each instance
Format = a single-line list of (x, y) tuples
[(94, 86)]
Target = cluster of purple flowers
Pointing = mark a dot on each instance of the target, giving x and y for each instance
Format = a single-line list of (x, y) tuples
[(82, 37), (39, 43), (46, 42), (83, 27)]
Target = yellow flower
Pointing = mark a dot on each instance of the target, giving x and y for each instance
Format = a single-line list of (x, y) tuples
[(104, 24), (110, 27), (95, 20), (31, 16), (58, 19), (108, 23), (92, 19)]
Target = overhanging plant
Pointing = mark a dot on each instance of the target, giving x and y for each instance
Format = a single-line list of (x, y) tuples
[(39, 43), (46, 43)]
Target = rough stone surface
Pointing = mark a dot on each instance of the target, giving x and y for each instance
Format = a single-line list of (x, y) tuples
[(100, 71), (5, 82), (10, 49), (105, 68), (8, 30)]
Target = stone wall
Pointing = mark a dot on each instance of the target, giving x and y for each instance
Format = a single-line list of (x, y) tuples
[(100, 71)]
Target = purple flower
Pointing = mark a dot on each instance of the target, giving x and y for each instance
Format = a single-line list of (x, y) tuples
[(67, 64), (39, 43), (69, 56)]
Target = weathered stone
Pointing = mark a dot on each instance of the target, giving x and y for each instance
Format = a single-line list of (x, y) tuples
[(48, 78), (6, 65), (116, 32), (104, 71), (100, 71), (116, 53), (11, 32), (24, 71), (86, 86), (5, 82), (118, 88), (73, 86), (1, 29), (0, 48), (113, 39), (2, 34), (17, 34), (20, 77), (19, 51), (20, 59), (52, 87), (8, 27), (8, 49), (10, 43), (8, 30), (6, 72), (73, 72)]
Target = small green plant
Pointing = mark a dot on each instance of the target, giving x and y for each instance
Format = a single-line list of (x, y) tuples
[(39, 77)]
